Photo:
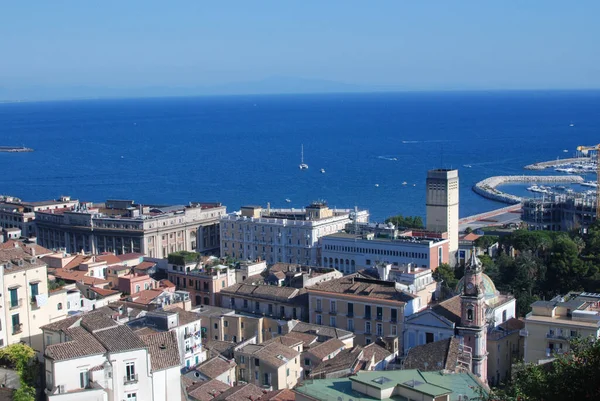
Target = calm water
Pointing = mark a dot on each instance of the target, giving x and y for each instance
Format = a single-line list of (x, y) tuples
[(246, 149)]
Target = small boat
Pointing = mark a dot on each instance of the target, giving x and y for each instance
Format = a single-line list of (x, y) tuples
[(414, 185), (322, 171), (288, 201), (571, 125), (404, 183), (303, 166), (589, 184), (565, 150), (376, 185), (467, 165)]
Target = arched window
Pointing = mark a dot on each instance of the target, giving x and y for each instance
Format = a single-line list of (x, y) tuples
[(470, 314), (137, 288), (59, 306)]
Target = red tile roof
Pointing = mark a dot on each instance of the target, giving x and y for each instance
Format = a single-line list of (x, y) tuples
[(145, 265), (166, 283), (129, 256), (471, 237), (109, 258)]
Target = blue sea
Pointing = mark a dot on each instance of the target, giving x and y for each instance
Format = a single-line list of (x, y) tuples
[(246, 149)]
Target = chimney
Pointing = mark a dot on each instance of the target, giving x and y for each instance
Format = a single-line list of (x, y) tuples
[(32, 251)]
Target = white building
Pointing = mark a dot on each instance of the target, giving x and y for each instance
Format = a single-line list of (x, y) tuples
[(442, 205), (186, 327), (282, 235), (91, 357), (350, 253)]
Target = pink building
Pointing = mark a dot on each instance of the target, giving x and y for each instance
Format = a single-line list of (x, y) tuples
[(133, 283)]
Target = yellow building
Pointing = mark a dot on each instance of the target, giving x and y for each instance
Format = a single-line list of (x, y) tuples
[(371, 309), (552, 324), (27, 303), (505, 347)]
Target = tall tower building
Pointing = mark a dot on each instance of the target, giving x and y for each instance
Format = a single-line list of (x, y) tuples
[(442, 205), (473, 325)]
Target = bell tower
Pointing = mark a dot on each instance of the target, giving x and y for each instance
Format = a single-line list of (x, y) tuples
[(473, 325)]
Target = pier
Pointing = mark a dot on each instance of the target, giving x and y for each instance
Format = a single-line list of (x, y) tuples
[(487, 187), (557, 163)]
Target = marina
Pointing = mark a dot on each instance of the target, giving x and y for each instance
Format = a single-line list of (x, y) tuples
[(487, 188)]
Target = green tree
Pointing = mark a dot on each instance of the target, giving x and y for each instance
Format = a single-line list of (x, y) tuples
[(406, 222), (22, 358), (485, 241), (446, 275), (573, 376)]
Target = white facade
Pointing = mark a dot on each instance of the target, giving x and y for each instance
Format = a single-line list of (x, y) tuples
[(442, 204), (282, 235)]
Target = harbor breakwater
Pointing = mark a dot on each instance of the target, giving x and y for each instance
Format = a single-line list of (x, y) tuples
[(15, 149), (487, 188), (557, 163)]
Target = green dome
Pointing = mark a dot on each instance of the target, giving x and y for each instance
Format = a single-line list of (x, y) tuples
[(490, 289)]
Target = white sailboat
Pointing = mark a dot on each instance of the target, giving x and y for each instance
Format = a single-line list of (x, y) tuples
[(303, 166)]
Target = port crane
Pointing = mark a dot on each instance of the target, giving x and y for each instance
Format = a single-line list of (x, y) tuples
[(595, 148)]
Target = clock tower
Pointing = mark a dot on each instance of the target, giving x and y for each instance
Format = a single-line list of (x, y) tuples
[(473, 325)]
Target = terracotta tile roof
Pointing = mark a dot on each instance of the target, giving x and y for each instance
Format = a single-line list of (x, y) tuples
[(321, 331), (357, 286), (96, 321), (185, 317), (307, 339), (77, 276), (146, 297), (77, 260), (62, 324), (130, 256), (82, 344), (285, 340), (104, 292), (221, 347), (470, 237), (215, 367), (378, 352), (274, 354), (512, 324), (279, 395), (206, 391), (267, 292), (120, 268), (119, 339), (163, 349), (450, 309), (327, 348), (109, 258), (144, 331), (347, 362), (166, 283), (145, 265), (245, 392), (438, 355), (39, 250), (13, 256)]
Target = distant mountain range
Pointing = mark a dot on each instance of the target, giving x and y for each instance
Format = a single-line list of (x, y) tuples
[(272, 85)]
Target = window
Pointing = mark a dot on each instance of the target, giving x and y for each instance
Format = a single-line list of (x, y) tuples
[(379, 329), (319, 305), (573, 333), (306, 362), (59, 306), (132, 397), (130, 372), (350, 309), (223, 284), (367, 311), (332, 321), (34, 290), (503, 316), (319, 319), (216, 326), (333, 307), (16, 323), (287, 372), (470, 314), (368, 327), (379, 313), (84, 379), (394, 315), (226, 323), (267, 379), (394, 330), (242, 359), (14, 298), (350, 325), (270, 309), (256, 362), (245, 303), (428, 338)]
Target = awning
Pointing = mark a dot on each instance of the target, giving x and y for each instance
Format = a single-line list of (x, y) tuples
[(14, 287), (35, 281)]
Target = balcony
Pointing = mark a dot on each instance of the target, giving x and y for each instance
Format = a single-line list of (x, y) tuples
[(367, 317), (350, 314), (187, 335), (557, 336), (14, 304), (130, 379), (319, 310), (333, 312), (17, 328)]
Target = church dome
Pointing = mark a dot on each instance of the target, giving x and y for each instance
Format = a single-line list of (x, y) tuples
[(490, 289)]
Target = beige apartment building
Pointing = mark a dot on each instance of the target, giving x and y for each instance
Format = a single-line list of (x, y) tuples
[(552, 324), (15, 213), (283, 235), (505, 348), (271, 365), (122, 226), (27, 304), (371, 309)]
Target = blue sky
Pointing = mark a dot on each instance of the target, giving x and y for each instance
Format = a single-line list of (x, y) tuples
[(405, 45)]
